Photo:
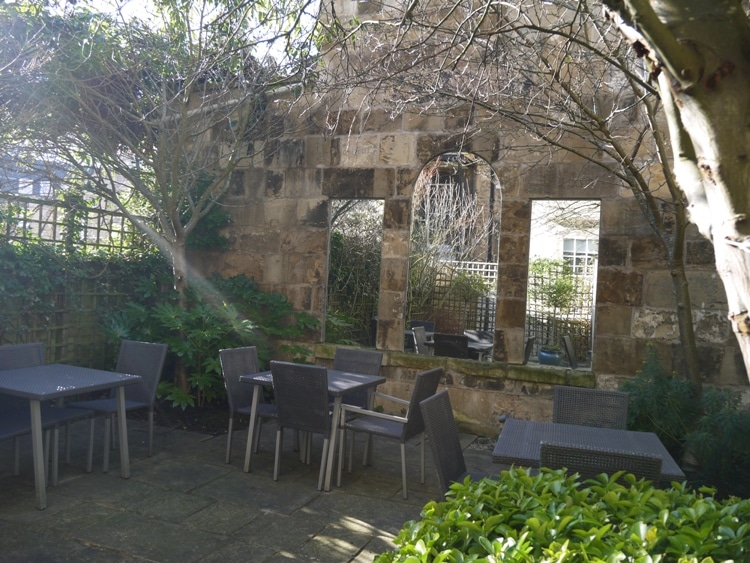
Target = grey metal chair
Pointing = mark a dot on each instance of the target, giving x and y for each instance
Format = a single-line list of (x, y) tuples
[(589, 462), (590, 407), (420, 341), (401, 428), (442, 434), (301, 395), (234, 363), (15, 413), (136, 358), (451, 345)]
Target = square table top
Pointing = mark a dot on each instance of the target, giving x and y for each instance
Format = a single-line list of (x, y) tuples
[(51, 381), (520, 442), (339, 382)]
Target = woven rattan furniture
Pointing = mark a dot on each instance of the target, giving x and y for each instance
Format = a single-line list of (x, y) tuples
[(14, 356), (355, 360), (590, 407), (442, 435), (451, 345), (401, 428), (589, 462), (301, 394), (420, 341), (520, 442), (50, 382), (340, 384), (236, 362), (146, 360)]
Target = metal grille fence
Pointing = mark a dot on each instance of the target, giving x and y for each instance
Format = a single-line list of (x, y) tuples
[(456, 307)]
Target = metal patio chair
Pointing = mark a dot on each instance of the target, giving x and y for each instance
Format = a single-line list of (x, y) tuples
[(451, 345), (135, 358), (442, 434), (401, 428), (234, 363)]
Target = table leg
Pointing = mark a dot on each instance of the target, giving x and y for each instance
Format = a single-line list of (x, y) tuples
[(251, 426), (332, 444), (37, 447), (122, 424)]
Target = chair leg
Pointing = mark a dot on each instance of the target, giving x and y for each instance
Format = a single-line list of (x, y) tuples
[(277, 455), (368, 455), (16, 456), (112, 426), (107, 440), (150, 433), (55, 456), (228, 455), (256, 438), (342, 451), (323, 462), (90, 451), (403, 468), (422, 456), (67, 443), (351, 451), (46, 456)]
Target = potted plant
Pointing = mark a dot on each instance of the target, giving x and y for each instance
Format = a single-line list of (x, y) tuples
[(554, 289)]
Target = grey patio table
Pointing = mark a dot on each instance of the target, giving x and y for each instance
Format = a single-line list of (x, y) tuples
[(53, 381), (520, 443), (340, 383)]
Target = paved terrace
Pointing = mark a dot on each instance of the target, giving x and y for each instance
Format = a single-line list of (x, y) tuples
[(185, 504)]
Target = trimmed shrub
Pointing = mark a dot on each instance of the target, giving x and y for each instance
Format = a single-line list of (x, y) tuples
[(519, 517)]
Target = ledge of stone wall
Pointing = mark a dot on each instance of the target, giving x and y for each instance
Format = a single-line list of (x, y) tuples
[(480, 391)]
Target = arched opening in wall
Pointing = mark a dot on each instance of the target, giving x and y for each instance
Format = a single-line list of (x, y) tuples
[(563, 259), (354, 248), (453, 255)]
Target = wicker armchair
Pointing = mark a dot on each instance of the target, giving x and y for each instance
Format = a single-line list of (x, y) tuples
[(590, 407), (445, 444), (589, 462), (451, 345), (355, 360)]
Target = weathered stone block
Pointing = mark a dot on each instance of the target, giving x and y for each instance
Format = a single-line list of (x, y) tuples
[(430, 146), (405, 180), (383, 182), (515, 216), (397, 214), (700, 252), (313, 213), (618, 355), (513, 249), (655, 324), (393, 274), (511, 313), (308, 241), (348, 183), (613, 320), (613, 251), (512, 280), (647, 252), (360, 152), (397, 149), (319, 151), (395, 243), (619, 287), (304, 269)]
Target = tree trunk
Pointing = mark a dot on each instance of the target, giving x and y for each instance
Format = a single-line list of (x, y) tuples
[(181, 283), (699, 47)]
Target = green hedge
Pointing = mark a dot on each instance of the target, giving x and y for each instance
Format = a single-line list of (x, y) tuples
[(549, 516)]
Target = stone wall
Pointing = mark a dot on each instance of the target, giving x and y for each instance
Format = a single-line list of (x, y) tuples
[(279, 236)]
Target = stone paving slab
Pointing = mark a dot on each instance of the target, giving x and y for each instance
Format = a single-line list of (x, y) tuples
[(185, 504)]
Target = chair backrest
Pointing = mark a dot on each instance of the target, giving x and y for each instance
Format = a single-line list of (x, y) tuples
[(355, 360), (589, 462), (590, 407), (234, 363), (429, 326), (301, 394), (443, 437), (420, 340), (14, 356), (570, 352), (425, 386), (528, 348), (451, 345), (145, 359)]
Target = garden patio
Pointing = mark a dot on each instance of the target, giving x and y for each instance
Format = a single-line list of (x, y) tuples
[(185, 504)]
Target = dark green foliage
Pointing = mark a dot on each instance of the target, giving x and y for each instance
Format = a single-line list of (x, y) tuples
[(553, 517), (662, 403), (719, 443), (708, 425), (220, 313), (207, 232)]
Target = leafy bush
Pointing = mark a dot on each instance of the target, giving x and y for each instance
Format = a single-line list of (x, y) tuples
[(553, 517), (707, 424), (662, 403), (221, 313)]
